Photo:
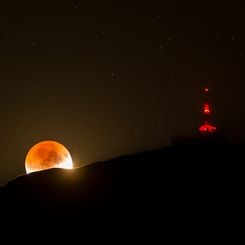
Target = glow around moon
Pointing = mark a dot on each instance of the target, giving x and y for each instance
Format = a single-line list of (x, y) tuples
[(46, 155)]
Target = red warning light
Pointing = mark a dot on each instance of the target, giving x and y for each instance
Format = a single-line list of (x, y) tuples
[(206, 90), (207, 128), (206, 109)]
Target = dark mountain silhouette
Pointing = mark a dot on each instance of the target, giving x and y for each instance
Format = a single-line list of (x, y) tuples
[(190, 185)]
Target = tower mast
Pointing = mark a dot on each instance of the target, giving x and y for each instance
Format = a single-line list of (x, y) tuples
[(207, 128)]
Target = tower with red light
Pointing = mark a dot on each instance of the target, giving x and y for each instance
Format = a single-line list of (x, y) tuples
[(207, 128)]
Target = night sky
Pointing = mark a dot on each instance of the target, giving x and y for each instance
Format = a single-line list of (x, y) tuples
[(108, 78)]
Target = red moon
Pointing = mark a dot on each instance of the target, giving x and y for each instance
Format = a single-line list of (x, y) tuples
[(46, 155)]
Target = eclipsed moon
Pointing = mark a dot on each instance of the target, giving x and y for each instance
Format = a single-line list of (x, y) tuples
[(46, 155)]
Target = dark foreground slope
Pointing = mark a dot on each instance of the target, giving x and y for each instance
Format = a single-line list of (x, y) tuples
[(180, 186)]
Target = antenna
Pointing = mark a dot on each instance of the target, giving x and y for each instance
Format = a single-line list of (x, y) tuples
[(207, 128)]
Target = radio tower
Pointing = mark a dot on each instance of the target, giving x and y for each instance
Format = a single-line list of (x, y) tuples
[(207, 128)]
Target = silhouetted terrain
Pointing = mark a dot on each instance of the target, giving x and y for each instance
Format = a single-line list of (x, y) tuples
[(186, 186)]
